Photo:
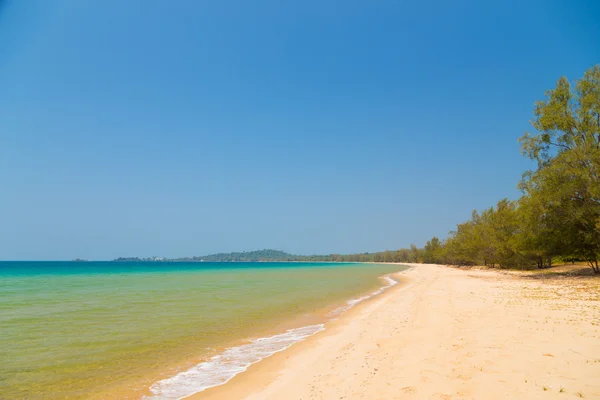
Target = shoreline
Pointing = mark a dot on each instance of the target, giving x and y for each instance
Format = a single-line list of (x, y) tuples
[(262, 372), (231, 361), (444, 333)]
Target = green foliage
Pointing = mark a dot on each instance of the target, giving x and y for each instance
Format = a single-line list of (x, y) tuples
[(559, 212), (562, 197), (433, 251)]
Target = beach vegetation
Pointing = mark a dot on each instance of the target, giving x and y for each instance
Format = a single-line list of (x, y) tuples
[(558, 215)]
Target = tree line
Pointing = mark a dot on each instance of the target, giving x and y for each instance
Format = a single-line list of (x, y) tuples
[(558, 214)]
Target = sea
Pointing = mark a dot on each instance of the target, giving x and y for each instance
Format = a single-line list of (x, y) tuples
[(160, 330)]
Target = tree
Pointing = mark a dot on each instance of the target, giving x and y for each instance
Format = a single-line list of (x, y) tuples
[(566, 183), (432, 251), (402, 255), (415, 254), (540, 237), (388, 257)]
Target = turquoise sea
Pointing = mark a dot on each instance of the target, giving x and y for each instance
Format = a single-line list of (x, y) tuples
[(84, 330)]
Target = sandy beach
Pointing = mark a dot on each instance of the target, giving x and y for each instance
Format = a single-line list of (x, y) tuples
[(445, 333)]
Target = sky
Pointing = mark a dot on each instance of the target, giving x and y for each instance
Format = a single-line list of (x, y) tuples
[(181, 128)]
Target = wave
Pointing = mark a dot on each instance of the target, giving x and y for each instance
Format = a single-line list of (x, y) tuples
[(221, 368)]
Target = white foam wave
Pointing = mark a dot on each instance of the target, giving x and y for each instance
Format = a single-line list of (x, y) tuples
[(222, 367)]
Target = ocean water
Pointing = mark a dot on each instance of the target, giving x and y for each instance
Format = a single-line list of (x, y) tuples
[(160, 331)]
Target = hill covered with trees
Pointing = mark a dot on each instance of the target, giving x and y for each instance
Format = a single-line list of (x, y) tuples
[(245, 256)]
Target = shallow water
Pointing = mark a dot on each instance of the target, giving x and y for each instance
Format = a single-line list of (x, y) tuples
[(73, 329)]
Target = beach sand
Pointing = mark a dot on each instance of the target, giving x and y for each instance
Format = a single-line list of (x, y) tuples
[(444, 333)]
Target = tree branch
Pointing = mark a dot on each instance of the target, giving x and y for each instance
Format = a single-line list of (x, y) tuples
[(564, 146)]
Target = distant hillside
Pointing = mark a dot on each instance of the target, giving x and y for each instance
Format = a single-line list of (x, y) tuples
[(245, 256), (277, 255)]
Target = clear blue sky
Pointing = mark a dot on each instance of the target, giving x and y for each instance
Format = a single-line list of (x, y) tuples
[(179, 128)]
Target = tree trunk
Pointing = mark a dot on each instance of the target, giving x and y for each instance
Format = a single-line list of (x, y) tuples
[(595, 266)]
